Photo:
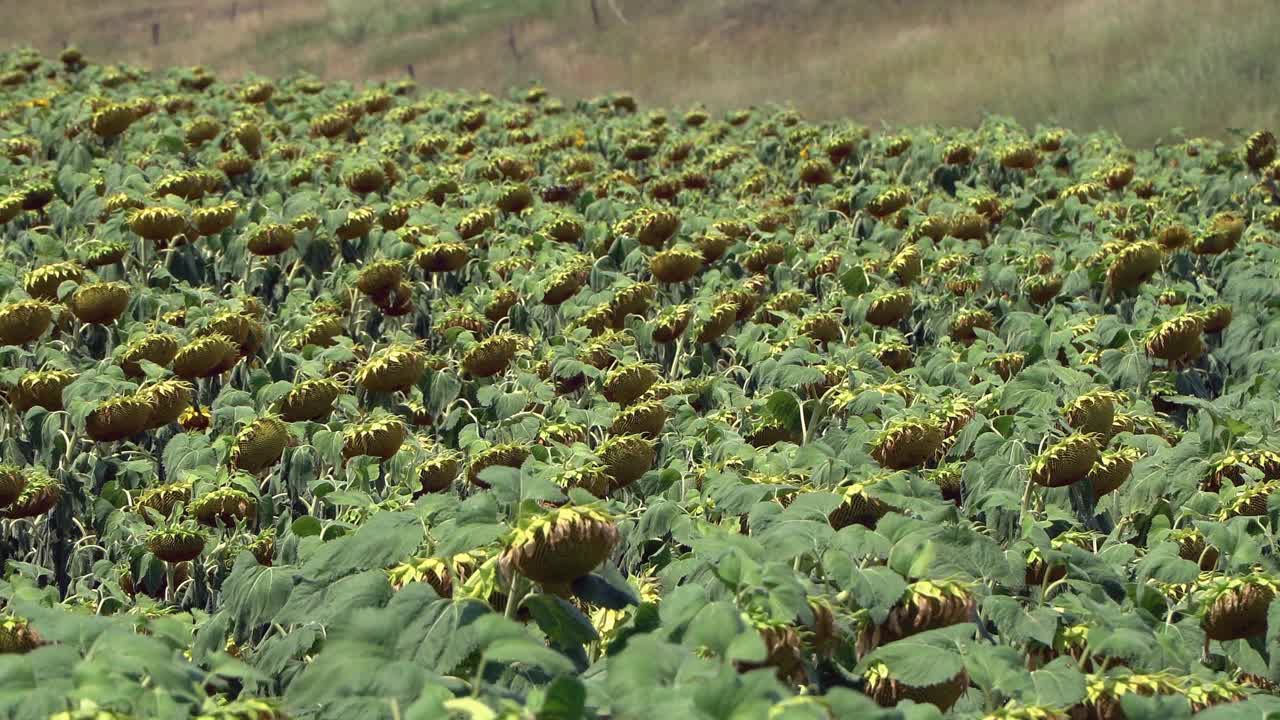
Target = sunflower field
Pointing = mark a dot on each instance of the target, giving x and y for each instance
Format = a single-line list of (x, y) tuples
[(387, 402)]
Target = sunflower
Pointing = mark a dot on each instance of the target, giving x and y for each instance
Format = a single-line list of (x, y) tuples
[(259, 444), (1065, 462), (395, 369), (560, 546), (379, 437)]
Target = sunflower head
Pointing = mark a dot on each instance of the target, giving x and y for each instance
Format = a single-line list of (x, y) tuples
[(394, 369), (502, 455), (175, 543), (100, 303), (1066, 461), (1019, 156), (1259, 150), (1177, 340), (560, 546), (227, 504), (40, 493), (43, 282), (378, 437)]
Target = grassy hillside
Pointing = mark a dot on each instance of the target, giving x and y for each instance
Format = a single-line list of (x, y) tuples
[(1130, 66)]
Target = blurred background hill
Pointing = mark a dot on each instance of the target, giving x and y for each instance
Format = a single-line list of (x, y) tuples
[(1137, 67)]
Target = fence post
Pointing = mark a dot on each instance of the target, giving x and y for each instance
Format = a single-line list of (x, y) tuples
[(511, 42)]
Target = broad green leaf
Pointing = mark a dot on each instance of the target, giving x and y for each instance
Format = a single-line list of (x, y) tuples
[(560, 621), (321, 602), (386, 539), (524, 652), (1059, 684), (925, 659), (565, 699), (854, 281), (253, 594)]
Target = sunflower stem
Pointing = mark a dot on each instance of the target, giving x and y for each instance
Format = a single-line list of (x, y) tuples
[(1026, 502), (170, 581), (804, 428), (514, 597)]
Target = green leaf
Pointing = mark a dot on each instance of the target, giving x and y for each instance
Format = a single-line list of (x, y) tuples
[(1273, 641), (924, 659), (306, 526), (171, 142), (253, 594), (560, 621), (787, 538), (523, 651), (715, 627), (35, 686), (273, 393), (605, 588), (386, 539), (509, 404), (1040, 624), (679, 608), (646, 666), (513, 486), (188, 451), (854, 281), (747, 647), (277, 652), (439, 634), (566, 699), (471, 708), (961, 553), (783, 407), (1156, 707), (322, 602), (1059, 684), (997, 669), (436, 701), (350, 681), (1163, 564), (796, 376), (349, 498), (1258, 706), (877, 589)]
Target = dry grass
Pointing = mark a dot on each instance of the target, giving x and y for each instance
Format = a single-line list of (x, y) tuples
[(1138, 67)]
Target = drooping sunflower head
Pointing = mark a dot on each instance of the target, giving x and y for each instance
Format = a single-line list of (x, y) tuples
[(175, 543), (100, 303), (43, 282), (1259, 150), (561, 545), (1066, 461), (1178, 339), (394, 369), (378, 437)]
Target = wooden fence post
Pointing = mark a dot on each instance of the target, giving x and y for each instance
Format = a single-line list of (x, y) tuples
[(511, 42)]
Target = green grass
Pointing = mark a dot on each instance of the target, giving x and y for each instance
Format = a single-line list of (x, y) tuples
[(283, 51), (359, 21), (1137, 68)]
